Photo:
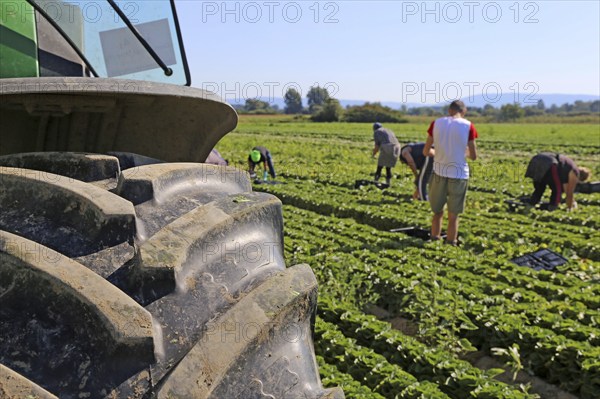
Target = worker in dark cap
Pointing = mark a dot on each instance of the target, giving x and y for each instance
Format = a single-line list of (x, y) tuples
[(388, 147), (260, 155)]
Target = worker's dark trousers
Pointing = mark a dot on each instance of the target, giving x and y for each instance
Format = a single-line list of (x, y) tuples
[(422, 180), (388, 173), (551, 179)]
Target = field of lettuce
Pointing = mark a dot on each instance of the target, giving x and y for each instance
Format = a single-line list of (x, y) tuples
[(402, 318)]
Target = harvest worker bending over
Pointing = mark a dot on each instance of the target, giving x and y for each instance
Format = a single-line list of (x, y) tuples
[(453, 137), (560, 173), (257, 156), (421, 166), (388, 147)]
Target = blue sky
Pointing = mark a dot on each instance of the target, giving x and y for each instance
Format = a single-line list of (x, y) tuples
[(405, 51)]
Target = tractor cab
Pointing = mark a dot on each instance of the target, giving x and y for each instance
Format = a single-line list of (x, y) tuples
[(102, 76), (108, 39)]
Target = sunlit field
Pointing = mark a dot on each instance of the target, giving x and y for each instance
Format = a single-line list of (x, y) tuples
[(402, 317)]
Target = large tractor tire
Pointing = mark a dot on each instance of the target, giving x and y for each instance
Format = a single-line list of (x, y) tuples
[(165, 280)]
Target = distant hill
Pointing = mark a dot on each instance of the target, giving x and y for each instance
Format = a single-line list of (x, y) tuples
[(505, 98), (476, 101)]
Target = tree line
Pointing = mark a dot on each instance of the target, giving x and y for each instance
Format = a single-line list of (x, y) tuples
[(514, 112), (324, 108)]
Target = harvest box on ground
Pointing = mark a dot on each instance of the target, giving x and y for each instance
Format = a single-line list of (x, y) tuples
[(544, 259), (360, 183), (423, 234)]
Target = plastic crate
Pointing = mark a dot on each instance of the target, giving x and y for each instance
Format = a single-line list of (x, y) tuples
[(515, 205), (259, 181), (360, 183), (543, 259), (588, 188), (416, 232)]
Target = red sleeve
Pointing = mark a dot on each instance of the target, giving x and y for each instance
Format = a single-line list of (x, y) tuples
[(473, 133), (430, 130)]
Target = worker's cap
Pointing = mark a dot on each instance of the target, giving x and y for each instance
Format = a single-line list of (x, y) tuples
[(377, 125), (255, 155)]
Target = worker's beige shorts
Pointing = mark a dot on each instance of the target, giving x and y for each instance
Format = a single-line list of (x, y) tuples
[(444, 190)]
